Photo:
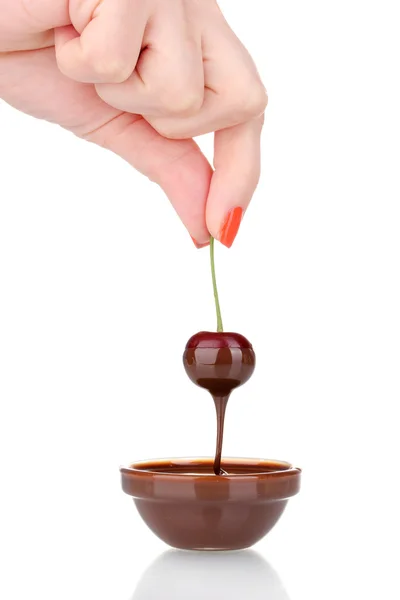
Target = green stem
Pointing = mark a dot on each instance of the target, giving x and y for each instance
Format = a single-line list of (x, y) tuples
[(214, 280)]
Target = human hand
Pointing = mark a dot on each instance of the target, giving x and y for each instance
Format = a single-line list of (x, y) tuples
[(142, 77)]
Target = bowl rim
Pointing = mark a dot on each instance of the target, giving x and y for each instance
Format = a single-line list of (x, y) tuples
[(138, 468)]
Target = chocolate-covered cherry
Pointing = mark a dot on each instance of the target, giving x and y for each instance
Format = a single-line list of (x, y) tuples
[(219, 361)]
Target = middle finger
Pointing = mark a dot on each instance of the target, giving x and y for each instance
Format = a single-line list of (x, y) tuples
[(169, 78), (234, 92)]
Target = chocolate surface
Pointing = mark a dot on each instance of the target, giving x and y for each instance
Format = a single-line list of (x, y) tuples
[(219, 363), (189, 507)]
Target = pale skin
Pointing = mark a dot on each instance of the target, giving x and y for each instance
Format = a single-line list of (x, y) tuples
[(142, 78)]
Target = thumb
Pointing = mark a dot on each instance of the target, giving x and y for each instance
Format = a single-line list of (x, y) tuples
[(178, 166)]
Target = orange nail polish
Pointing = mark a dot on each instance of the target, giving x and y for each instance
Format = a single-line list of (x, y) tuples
[(231, 226), (199, 245)]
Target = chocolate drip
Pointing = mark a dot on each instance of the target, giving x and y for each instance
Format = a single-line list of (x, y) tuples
[(219, 370)]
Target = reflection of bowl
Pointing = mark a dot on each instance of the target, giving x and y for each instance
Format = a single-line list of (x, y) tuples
[(177, 575), (189, 507)]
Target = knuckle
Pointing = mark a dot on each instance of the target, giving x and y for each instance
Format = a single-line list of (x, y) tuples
[(183, 101), (111, 71), (106, 67), (255, 101), (169, 129)]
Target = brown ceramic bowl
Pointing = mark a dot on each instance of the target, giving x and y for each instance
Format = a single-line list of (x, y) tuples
[(188, 507)]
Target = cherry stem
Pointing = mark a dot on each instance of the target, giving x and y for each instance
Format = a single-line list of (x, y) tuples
[(220, 327)]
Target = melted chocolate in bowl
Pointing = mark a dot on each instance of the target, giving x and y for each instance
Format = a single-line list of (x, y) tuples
[(189, 507)]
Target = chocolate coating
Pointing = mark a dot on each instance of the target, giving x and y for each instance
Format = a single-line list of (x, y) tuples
[(219, 363), (219, 370), (188, 507)]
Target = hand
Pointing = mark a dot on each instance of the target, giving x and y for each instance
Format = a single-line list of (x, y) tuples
[(142, 77)]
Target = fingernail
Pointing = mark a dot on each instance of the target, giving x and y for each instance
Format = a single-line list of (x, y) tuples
[(231, 226), (199, 245)]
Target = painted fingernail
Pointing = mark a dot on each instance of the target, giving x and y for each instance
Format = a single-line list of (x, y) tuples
[(231, 226), (199, 245)]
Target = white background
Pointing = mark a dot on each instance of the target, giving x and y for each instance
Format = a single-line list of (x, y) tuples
[(100, 287)]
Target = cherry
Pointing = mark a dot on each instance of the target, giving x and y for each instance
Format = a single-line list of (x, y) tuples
[(219, 361)]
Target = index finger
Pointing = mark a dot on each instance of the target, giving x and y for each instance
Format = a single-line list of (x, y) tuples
[(236, 175)]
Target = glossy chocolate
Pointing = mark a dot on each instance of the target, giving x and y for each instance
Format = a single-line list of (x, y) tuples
[(186, 505), (219, 363)]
